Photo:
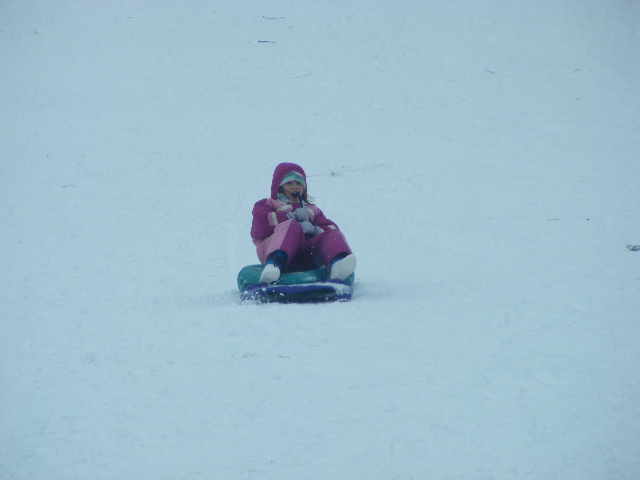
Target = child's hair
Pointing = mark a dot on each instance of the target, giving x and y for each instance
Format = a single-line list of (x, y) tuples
[(305, 198)]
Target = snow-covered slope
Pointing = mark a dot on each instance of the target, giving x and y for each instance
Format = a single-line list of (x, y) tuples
[(482, 158)]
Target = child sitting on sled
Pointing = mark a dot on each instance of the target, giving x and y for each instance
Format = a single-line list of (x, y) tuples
[(294, 235)]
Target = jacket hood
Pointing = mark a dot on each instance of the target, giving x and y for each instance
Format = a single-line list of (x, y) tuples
[(279, 173)]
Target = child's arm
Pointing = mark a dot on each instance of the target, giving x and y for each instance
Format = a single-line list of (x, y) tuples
[(321, 221), (266, 217)]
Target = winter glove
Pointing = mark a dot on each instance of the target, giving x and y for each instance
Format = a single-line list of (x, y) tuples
[(310, 229), (300, 214)]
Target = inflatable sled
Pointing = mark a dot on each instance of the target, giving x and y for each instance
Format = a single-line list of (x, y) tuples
[(293, 287)]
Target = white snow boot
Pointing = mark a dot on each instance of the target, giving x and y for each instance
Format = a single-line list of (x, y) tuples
[(270, 274), (342, 268)]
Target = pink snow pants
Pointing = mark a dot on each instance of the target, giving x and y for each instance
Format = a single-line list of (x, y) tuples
[(289, 237)]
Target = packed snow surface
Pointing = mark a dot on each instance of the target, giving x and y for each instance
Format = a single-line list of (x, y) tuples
[(482, 159)]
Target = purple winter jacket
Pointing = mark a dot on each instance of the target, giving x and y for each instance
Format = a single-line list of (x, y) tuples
[(269, 212)]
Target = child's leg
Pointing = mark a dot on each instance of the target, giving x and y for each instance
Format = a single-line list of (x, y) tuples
[(329, 244), (288, 237)]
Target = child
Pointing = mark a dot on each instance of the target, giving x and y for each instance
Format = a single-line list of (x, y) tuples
[(282, 231)]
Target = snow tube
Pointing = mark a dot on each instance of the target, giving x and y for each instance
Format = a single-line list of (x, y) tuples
[(250, 275), (293, 287)]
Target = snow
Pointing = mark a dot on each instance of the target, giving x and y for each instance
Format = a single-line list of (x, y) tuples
[(482, 159)]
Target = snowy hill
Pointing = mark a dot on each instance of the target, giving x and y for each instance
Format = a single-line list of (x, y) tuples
[(482, 158)]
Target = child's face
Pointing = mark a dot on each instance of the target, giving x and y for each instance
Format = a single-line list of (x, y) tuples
[(291, 188)]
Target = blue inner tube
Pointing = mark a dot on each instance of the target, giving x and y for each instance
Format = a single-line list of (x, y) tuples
[(250, 275)]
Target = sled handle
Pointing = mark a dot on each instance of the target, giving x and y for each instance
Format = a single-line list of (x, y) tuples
[(307, 236)]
